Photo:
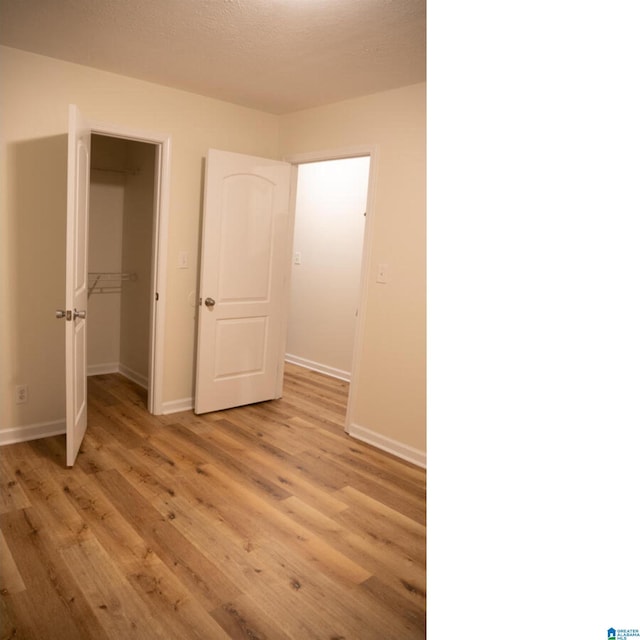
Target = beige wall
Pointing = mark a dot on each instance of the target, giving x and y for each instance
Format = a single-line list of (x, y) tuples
[(34, 99), (137, 242), (391, 397), (106, 207)]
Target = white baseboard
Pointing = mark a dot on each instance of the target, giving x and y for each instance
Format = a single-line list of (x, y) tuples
[(174, 406), (100, 369), (138, 378), (32, 432), (320, 368), (118, 367), (410, 454)]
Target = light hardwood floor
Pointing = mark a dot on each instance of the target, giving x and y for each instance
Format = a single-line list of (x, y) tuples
[(265, 521)]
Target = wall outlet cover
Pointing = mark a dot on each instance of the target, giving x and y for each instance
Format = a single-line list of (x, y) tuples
[(22, 393)]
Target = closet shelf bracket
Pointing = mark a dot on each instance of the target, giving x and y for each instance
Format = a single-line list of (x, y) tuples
[(108, 281)]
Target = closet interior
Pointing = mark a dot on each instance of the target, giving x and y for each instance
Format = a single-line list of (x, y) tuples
[(121, 220)]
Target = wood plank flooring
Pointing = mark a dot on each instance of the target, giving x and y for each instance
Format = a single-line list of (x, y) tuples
[(265, 521)]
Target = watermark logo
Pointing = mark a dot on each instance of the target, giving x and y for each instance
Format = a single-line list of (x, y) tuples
[(622, 634)]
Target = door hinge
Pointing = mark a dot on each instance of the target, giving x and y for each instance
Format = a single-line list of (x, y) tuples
[(157, 297)]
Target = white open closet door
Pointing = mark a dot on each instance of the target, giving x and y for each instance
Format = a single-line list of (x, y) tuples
[(244, 261), (78, 167)]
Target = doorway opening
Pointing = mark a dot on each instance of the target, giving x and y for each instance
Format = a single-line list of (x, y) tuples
[(331, 247), (127, 247), (330, 211), (120, 249)]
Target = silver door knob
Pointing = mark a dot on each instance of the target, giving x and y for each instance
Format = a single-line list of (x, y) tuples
[(79, 314), (210, 302), (61, 313)]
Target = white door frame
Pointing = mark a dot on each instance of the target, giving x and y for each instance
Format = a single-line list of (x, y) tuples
[(341, 154), (159, 251)]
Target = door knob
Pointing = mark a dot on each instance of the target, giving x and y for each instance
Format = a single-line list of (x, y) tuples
[(61, 313), (210, 302), (79, 314)]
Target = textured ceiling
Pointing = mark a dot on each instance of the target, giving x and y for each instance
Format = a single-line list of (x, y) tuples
[(278, 56)]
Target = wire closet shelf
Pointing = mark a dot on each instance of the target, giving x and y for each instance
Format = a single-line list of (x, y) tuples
[(109, 281)]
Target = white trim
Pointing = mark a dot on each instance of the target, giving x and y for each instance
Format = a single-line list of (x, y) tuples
[(118, 367), (365, 270), (286, 299), (316, 366), (101, 369), (160, 253), (357, 151), (410, 454), (136, 377), (33, 432), (367, 248), (160, 242), (175, 406), (131, 133)]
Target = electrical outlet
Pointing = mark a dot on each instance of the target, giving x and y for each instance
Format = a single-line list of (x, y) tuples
[(22, 393)]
